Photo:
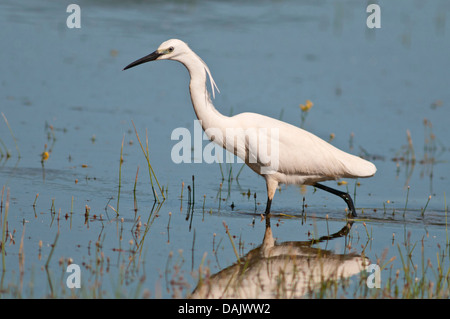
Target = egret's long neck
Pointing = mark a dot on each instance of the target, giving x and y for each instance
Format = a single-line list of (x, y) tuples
[(203, 107)]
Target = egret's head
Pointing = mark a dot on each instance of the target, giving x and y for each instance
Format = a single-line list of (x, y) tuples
[(176, 50), (169, 50)]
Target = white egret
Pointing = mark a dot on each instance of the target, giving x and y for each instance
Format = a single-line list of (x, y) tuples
[(296, 156)]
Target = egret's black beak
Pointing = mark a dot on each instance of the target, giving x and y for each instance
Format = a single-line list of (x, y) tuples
[(151, 57)]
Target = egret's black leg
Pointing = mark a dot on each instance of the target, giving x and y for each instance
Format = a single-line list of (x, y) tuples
[(344, 196), (267, 221), (269, 203)]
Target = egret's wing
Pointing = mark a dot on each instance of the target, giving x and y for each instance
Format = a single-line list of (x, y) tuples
[(293, 151)]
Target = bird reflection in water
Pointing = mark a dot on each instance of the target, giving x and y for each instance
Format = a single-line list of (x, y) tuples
[(286, 270)]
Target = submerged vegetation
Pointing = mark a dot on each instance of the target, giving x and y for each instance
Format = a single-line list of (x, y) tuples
[(307, 269)]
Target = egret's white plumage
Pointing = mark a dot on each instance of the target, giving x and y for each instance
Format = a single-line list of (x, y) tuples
[(301, 157)]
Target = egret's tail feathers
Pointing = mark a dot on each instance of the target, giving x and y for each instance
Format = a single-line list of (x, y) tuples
[(359, 167), (371, 169)]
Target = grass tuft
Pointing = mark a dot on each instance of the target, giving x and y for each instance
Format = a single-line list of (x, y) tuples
[(151, 172)]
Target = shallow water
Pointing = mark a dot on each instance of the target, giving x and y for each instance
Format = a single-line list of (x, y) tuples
[(63, 91)]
